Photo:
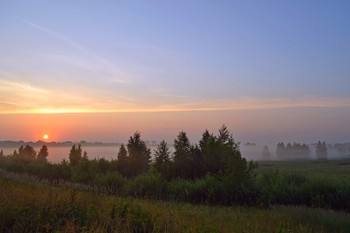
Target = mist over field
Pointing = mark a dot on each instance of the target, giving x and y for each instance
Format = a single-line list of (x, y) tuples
[(249, 150)]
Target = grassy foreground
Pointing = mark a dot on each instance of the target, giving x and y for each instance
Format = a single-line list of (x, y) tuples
[(35, 207)]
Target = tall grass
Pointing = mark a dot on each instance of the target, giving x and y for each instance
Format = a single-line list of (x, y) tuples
[(296, 189), (38, 207)]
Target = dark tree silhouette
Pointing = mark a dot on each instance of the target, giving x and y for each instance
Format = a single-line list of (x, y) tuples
[(27, 152), (43, 153), (197, 167), (207, 138), (139, 155), (182, 156), (122, 164), (162, 160), (75, 155), (162, 155), (234, 170), (212, 153)]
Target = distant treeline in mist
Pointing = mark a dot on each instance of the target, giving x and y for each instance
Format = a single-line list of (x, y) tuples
[(322, 151), (211, 172), (293, 150)]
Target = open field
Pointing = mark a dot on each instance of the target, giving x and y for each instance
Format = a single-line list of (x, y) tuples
[(338, 169), (35, 207)]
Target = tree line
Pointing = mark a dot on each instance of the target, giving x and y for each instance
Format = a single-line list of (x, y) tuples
[(216, 155), (210, 172)]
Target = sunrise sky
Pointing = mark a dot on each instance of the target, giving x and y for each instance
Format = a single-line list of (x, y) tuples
[(100, 70)]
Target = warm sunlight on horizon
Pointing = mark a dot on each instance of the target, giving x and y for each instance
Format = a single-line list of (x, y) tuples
[(259, 125), (161, 67)]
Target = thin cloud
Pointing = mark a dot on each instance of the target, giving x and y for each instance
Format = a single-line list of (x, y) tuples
[(20, 87), (79, 47)]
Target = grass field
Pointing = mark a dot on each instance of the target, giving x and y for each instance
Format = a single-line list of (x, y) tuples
[(36, 207), (338, 169)]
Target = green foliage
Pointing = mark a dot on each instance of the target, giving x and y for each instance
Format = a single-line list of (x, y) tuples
[(123, 161), (83, 172), (147, 186), (182, 156), (139, 156), (162, 159), (111, 183)]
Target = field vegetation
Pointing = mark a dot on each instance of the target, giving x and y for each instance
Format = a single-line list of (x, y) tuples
[(133, 194), (27, 205)]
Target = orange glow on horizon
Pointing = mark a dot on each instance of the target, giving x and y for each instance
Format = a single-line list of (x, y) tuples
[(45, 136), (196, 105)]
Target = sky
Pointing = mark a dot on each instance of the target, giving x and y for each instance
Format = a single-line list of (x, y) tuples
[(101, 70)]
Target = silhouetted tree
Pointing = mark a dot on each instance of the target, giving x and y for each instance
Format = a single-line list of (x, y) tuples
[(321, 150), (43, 153), (104, 166), (122, 164), (197, 168), (236, 173), (83, 171), (75, 155), (27, 152), (207, 138), (226, 139), (182, 156), (266, 153), (213, 153), (139, 155), (1, 153), (162, 160)]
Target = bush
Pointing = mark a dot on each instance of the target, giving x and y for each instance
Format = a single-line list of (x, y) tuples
[(147, 186), (111, 183)]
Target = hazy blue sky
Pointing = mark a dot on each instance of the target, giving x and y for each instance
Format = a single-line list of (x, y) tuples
[(204, 56)]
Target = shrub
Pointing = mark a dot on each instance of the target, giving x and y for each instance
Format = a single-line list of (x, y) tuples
[(147, 186)]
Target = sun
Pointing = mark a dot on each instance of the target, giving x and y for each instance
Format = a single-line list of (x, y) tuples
[(45, 136)]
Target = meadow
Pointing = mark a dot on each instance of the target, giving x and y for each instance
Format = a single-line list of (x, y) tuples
[(336, 168), (27, 205)]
